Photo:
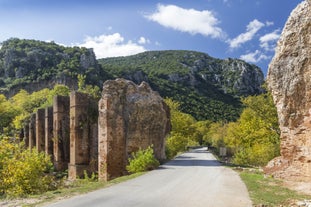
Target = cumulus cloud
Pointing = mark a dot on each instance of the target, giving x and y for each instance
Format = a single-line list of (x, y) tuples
[(254, 57), (111, 46), (187, 20), (143, 40), (252, 28), (268, 41)]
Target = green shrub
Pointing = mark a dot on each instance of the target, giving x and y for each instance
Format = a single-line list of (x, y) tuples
[(142, 160), (24, 172)]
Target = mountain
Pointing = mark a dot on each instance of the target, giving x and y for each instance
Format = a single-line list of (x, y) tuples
[(206, 87), (33, 65)]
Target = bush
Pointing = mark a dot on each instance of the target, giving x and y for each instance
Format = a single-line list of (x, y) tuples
[(142, 160), (24, 172)]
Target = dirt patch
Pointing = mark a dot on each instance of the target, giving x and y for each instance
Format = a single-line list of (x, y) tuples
[(302, 187)]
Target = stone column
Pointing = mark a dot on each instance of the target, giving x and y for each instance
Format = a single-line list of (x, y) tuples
[(40, 130), (111, 133), (49, 131), (83, 115), (61, 132), (32, 131), (26, 134)]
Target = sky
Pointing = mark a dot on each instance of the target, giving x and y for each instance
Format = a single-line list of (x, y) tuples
[(244, 29)]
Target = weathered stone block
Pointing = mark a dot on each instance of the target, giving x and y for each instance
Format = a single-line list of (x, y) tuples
[(61, 132), (49, 131), (83, 117), (40, 130), (32, 131), (130, 117), (26, 133)]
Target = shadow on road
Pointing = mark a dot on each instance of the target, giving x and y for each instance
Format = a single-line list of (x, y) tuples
[(192, 159)]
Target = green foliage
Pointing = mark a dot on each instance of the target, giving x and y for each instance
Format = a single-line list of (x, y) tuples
[(183, 130), (23, 171), (254, 137), (16, 110), (142, 160), (94, 91)]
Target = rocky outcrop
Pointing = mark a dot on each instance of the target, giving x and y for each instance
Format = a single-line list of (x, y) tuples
[(289, 79), (130, 117)]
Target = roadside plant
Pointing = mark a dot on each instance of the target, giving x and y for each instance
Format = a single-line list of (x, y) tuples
[(142, 160)]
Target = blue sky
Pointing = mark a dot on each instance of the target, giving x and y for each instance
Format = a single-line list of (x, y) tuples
[(245, 29)]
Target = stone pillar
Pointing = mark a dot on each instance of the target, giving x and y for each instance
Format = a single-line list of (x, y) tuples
[(40, 130), (49, 131), (32, 131), (61, 132), (130, 117), (111, 134), (26, 134), (83, 115)]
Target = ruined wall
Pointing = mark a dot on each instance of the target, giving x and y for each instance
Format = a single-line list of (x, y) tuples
[(289, 79), (130, 117), (82, 135)]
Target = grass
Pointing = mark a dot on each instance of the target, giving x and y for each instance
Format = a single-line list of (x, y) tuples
[(267, 191), (77, 187)]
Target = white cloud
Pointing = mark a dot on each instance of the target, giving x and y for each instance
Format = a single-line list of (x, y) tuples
[(268, 23), (268, 41), (252, 28), (111, 46), (254, 57), (187, 20), (143, 40)]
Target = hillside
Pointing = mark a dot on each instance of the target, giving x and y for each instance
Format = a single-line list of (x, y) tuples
[(206, 87), (33, 65)]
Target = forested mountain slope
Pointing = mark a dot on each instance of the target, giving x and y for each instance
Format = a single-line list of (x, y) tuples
[(206, 87), (33, 65)]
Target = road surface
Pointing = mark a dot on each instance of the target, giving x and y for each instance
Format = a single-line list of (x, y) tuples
[(193, 179)]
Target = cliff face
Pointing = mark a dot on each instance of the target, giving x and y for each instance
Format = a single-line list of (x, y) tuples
[(289, 79)]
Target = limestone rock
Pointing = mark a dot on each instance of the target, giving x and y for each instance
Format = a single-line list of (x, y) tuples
[(289, 79), (130, 117)]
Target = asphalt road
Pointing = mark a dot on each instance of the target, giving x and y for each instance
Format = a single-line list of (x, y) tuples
[(193, 179)]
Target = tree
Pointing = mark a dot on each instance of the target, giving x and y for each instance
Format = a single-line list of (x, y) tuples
[(255, 136), (183, 130)]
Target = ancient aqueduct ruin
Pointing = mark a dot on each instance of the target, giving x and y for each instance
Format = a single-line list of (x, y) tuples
[(83, 135)]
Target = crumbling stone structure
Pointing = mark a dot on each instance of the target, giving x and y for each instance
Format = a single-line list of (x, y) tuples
[(40, 130), (48, 132), (61, 132), (130, 117), (82, 135)]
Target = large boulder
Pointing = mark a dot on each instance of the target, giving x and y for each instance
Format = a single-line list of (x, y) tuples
[(131, 117), (289, 79)]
